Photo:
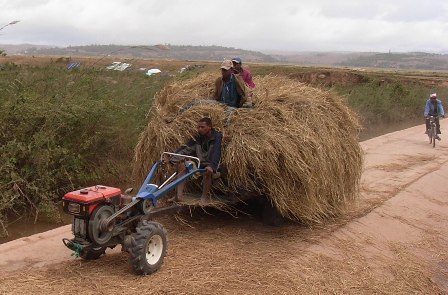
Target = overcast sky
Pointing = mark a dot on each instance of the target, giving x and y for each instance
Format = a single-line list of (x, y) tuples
[(289, 25)]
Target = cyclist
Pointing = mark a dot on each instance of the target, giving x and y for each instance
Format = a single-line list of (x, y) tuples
[(433, 107)]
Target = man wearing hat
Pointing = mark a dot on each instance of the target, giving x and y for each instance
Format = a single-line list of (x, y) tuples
[(433, 107), (230, 88), (244, 73)]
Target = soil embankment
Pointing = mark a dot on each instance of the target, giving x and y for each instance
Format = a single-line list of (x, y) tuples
[(394, 241)]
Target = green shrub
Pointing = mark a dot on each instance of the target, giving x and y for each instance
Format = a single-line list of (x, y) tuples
[(60, 130), (386, 101)]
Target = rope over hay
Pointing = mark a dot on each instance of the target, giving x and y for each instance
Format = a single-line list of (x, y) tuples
[(298, 146)]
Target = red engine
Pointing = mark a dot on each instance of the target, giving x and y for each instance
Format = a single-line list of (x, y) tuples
[(104, 218), (82, 202)]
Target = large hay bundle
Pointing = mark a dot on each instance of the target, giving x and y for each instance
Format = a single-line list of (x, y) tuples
[(298, 146)]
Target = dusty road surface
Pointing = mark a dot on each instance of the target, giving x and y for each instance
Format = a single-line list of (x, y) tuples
[(393, 241)]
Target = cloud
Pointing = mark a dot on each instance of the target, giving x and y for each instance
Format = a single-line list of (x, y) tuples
[(391, 11), (317, 25)]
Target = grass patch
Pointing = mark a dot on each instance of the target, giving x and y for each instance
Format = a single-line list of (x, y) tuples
[(61, 129), (386, 100)]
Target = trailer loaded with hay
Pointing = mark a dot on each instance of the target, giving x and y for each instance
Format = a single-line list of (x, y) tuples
[(297, 149)]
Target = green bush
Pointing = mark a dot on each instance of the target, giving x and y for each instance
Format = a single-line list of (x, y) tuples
[(386, 101), (60, 130)]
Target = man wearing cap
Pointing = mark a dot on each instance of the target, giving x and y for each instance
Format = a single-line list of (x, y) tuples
[(244, 73), (433, 107), (230, 88)]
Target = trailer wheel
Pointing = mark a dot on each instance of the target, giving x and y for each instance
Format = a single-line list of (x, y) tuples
[(92, 253), (148, 247), (271, 216)]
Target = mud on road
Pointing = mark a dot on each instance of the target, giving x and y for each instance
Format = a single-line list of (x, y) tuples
[(393, 241)]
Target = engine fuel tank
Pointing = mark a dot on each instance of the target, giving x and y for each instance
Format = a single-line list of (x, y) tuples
[(93, 194)]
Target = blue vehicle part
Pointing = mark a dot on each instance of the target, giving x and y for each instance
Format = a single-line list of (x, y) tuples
[(151, 191)]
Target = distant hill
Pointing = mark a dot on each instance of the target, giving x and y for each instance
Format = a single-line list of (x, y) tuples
[(21, 48), (412, 60), (409, 61), (315, 58), (209, 53)]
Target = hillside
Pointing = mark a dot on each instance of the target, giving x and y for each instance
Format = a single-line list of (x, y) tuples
[(408, 61), (412, 60), (211, 53)]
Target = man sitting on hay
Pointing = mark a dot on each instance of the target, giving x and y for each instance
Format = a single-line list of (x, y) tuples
[(230, 88), (207, 147)]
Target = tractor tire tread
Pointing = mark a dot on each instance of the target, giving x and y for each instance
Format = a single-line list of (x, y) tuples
[(138, 247)]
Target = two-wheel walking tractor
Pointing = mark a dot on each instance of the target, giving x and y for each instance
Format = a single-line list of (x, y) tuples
[(104, 217)]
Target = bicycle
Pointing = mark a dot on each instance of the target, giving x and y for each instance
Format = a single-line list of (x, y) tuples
[(432, 131)]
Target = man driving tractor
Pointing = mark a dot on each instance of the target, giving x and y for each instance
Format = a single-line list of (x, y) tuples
[(207, 147)]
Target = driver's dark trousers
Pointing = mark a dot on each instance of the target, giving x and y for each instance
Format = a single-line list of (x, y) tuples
[(437, 125)]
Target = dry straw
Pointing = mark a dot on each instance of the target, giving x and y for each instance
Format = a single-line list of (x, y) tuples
[(298, 146)]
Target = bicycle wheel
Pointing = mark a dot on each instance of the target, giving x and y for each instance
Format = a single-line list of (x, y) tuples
[(433, 135)]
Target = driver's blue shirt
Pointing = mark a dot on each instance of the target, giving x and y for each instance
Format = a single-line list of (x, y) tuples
[(229, 94), (433, 108)]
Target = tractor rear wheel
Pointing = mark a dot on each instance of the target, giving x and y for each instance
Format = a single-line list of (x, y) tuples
[(148, 246), (92, 253)]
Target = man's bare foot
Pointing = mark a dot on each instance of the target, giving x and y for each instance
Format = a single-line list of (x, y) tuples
[(176, 199), (204, 201)]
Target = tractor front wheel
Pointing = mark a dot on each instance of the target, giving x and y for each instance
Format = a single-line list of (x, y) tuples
[(92, 253), (148, 246)]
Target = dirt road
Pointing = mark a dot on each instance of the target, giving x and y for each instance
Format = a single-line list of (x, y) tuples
[(394, 241)]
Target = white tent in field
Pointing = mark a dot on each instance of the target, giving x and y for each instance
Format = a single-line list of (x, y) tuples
[(153, 71), (118, 66)]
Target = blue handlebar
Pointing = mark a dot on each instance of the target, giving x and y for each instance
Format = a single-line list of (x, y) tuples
[(151, 191)]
